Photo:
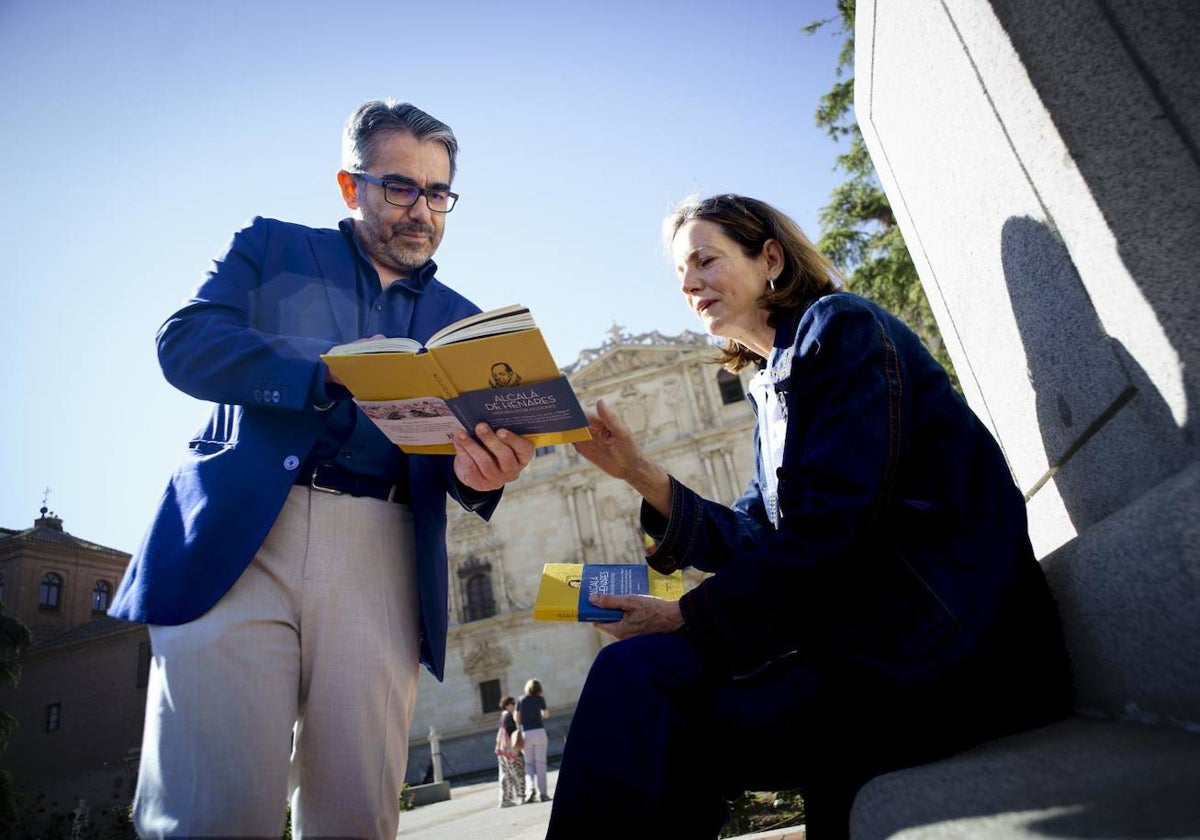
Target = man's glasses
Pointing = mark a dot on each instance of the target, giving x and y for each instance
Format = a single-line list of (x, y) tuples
[(405, 194)]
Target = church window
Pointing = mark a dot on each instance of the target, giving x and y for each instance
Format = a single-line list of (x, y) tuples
[(49, 592), (101, 593), (489, 696), (731, 388), (480, 601)]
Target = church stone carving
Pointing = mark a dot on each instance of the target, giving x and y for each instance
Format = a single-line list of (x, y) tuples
[(486, 658), (466, 530), (635, 414)]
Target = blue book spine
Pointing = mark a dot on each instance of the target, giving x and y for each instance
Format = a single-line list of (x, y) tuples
[(610, 579)]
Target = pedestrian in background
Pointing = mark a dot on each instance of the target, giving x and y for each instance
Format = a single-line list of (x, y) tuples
[(531, 715), (510, 760)]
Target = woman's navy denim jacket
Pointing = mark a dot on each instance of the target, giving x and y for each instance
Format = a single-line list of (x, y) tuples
[(902, 542)]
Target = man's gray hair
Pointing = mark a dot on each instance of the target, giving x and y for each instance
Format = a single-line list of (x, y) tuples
[(374, 120)]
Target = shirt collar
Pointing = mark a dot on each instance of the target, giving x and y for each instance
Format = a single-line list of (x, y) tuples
[(415, 283)]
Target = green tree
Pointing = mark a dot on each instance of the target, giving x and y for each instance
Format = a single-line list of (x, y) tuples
[(859, 228), (14, 637)]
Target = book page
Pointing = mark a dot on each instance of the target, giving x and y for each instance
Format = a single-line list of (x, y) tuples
[(493, 322), (424, 421), (506, 319), (376, 345)]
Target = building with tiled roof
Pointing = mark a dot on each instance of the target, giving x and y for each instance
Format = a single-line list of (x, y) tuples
[(80, 702), (53, 581)]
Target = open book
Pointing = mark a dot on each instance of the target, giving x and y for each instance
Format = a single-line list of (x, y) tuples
[(566, 587), (492, 367)]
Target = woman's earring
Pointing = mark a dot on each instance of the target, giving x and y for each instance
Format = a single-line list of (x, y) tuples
[(771, 283)]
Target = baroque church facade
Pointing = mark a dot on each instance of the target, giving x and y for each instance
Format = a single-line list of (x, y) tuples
[(689, 415)]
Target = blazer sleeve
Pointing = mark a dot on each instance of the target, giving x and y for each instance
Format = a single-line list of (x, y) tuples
[(213, 348), (702, 534), (480, 502)]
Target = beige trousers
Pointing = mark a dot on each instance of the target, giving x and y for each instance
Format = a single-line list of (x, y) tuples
[(300, 682)]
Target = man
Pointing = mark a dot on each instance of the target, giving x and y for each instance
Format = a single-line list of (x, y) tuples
[(295, 573)]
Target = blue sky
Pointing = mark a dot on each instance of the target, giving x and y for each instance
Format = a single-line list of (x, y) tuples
[(135, 137)]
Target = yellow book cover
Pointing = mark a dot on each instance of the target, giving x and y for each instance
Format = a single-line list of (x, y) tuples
[(565, 587), (558, 593), (493, 367)]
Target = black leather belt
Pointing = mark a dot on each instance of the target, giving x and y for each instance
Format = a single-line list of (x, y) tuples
[(330, 478)]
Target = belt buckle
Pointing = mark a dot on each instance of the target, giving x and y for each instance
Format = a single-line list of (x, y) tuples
[(312, 482)]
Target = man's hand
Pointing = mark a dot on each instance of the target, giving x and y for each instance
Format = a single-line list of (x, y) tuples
[(643, 614), (491, 462)]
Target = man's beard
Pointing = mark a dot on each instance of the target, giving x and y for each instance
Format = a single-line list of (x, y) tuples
[(388, 246)]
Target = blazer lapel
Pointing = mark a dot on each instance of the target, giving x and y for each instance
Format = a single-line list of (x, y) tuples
[(335, 260)]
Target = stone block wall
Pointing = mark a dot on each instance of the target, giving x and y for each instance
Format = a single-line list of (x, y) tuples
[(1042, 162)]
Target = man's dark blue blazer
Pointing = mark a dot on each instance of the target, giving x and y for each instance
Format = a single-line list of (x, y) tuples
[(249, 340)]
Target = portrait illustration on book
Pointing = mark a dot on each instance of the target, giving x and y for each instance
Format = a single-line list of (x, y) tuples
[(503, 376)]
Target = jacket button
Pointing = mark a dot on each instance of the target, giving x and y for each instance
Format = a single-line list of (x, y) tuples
[(291, 462), (258, 395)]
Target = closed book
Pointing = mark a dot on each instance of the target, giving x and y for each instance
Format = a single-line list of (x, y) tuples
[(566, 587)]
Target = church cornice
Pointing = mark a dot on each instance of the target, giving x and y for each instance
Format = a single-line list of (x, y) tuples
[(620, 339), (42, 536)]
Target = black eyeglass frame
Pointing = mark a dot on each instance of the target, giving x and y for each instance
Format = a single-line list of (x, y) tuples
[(384, 183)]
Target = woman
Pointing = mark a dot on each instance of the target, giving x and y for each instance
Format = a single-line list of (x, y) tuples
[(874, 601), (531, 714), (509, 759)]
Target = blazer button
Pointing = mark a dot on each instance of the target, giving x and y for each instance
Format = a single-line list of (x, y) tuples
[(291, 462), (258, 395), (274, 396)]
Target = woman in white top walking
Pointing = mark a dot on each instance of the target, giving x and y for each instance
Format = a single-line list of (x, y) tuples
[(531, 714)]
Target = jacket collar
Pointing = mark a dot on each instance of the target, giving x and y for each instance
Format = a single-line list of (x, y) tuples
[(779, 365), (340, 259), (415, 282)]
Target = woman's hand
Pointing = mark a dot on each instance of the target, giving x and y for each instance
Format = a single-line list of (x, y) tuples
[(643, 614), (613, 449)]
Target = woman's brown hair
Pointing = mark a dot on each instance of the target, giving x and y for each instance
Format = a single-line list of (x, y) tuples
[(807, 274)]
